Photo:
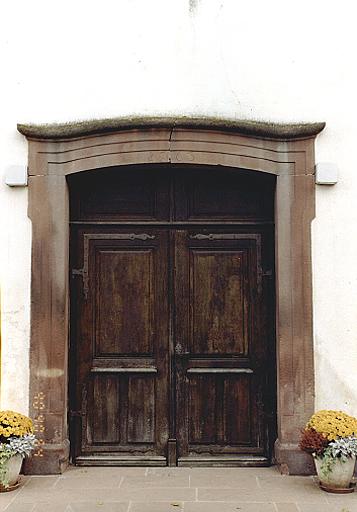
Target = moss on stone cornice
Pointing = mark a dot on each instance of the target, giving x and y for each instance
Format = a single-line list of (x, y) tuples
[(282, 131)]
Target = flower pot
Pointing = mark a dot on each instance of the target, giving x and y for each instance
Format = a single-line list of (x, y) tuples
[(335, 474), (13, 468)]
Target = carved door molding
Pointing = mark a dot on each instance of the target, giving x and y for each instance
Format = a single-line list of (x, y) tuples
[(287, 156)]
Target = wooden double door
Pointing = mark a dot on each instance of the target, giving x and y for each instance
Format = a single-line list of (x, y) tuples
[(172, 342)]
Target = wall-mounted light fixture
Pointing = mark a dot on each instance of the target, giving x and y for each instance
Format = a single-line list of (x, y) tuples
[(16, 176), (326, 173)]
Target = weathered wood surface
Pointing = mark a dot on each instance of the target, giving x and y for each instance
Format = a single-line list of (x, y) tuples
[(170, 334)]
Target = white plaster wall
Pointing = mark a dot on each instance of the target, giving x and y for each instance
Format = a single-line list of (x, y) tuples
[(273, 60)]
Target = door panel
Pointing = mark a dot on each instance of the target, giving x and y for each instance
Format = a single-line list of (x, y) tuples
[(121, 344), (219, 340), (225, 195), (118, 273), (202, 405), (114, 194), (219, 409), (141, 410), (105, 427), (237, 410), (219, 302)]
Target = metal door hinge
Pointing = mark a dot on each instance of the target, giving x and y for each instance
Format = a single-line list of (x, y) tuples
[(75, 414), (83, 273), (78, 271)]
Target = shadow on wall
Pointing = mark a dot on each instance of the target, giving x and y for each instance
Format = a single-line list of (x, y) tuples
[(332, 390)]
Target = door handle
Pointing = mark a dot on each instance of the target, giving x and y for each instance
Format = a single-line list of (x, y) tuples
[(180, 352)]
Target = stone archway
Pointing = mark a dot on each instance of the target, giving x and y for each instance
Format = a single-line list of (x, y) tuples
[(286, 151)]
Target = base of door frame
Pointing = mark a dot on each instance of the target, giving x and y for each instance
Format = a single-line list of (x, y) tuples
[(293, 461), (233, 461), (115, 460), (48, 459), (52, 459)]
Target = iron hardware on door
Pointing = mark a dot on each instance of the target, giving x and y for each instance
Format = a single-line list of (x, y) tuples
[(76, 414), (83, 272), (224, 236), (179, 351), (255, 237)]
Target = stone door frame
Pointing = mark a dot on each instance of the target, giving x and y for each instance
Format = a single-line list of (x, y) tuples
[(289, 157)]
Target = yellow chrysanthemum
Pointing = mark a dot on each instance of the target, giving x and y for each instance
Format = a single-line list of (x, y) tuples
[(14, 423), (333, 424)]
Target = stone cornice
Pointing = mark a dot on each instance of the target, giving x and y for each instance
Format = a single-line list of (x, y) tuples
[(254, 128)]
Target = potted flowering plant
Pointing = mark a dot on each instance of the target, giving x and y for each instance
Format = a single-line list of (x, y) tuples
[(16, 442), (331, 438)]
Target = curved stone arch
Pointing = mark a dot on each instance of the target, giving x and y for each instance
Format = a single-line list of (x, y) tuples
[(181, 146), (52, 159)]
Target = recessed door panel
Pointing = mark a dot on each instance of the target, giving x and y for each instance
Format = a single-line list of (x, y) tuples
[(105, 427), (115, 194), (202, 406), (141, 410), (237, 409), (224, 194), (125, 297), (219, 302), (219, 409)]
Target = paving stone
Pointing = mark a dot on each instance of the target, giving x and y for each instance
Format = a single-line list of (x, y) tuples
[(109, 495), (299, 489), (52, 507), (298, 498), (174, 494), (40, 482), (222, 481), (235, 495), (341, 499), (90, 482), (166, 480), (168, 471), (59, 496), (121, 489), (6, 498), (285, 482), (20, 507), (228, 507), (170, 506), (252, 472), (99, 507), (289, 507), (103, 472), (342, 507)]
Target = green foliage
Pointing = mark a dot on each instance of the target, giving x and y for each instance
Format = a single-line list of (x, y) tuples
[(5, 454), (344, 448), (14, 446), (23, 445), (340, 450)]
